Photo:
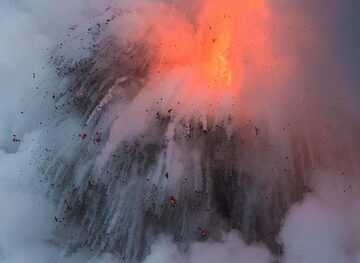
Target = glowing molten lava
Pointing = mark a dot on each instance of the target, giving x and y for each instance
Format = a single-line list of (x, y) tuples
[(217, 58), (216, 35), (230, 32), (227, 39)]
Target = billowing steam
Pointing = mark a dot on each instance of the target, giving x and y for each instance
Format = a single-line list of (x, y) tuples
[(179, 131)]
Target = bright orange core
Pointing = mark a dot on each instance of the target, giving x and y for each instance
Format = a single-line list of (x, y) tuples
[(228, 36)]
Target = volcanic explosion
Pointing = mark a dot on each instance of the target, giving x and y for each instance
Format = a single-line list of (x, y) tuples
[(179, 131)]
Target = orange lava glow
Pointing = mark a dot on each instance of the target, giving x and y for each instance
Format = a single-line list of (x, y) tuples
[(229, 31), (216, 47), (222, 43)]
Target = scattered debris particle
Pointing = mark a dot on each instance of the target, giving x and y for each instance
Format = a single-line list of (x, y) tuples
[(91, 184), (97, 138), (172, 200), (80, 94), (203, 233), (68, 207), (15, 139)]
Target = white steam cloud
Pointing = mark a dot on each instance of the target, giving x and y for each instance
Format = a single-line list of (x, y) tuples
[(231, 249), (29, 30)]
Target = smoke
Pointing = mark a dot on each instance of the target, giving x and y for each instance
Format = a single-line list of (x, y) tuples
[(230, 249), (329, 230), (24, 212), (128, 128), (29, 31)]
